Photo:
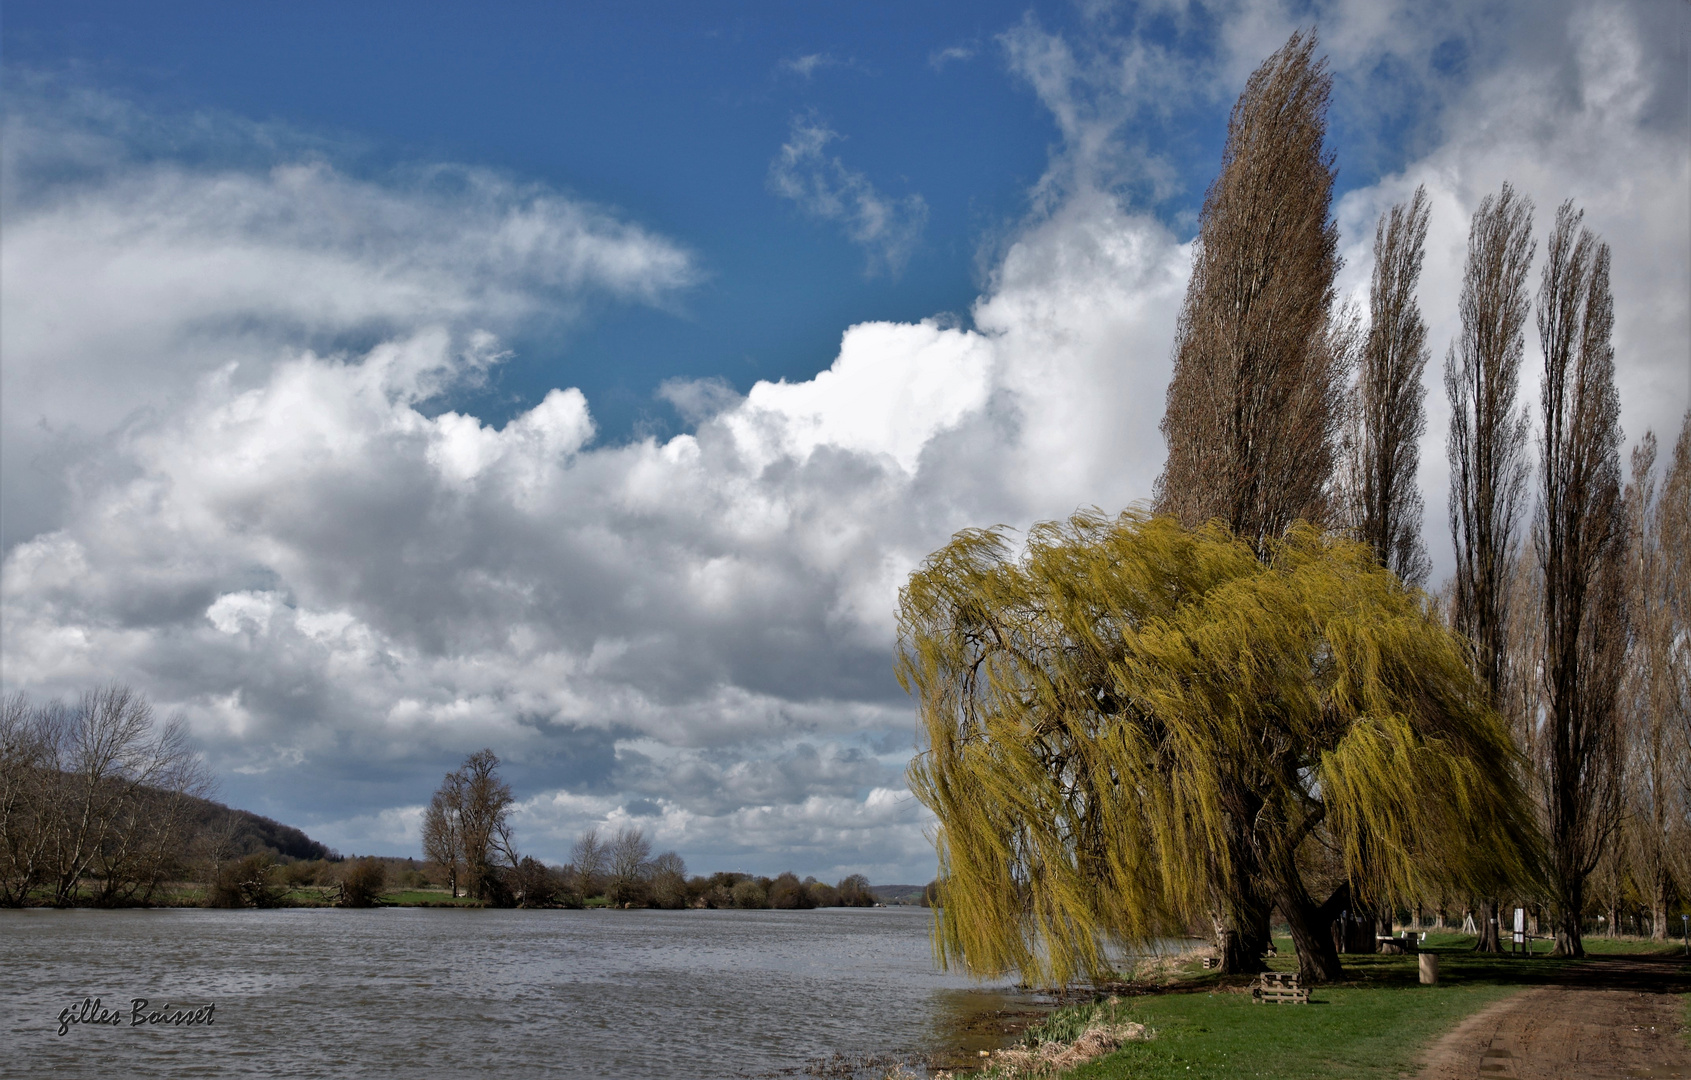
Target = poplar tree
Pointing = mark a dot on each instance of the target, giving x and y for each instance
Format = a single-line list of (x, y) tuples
[(1383, 502), (1487, 441), (1579, 538), (1255, 409), (1652, 702)]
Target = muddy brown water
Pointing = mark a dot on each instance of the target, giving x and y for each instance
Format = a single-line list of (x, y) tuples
[(414, 991)]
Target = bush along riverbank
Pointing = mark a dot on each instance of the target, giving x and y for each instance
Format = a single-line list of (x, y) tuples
[(1172, 1019)]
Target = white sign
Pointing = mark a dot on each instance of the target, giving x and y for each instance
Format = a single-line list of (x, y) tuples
[(1520, 925)]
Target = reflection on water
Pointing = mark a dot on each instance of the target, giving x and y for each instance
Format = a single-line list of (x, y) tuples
[(635, 994)]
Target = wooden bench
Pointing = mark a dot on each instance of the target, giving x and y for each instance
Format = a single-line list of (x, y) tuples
[(1280, 987)]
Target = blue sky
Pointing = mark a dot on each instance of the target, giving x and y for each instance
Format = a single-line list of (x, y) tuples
[(386, 381)]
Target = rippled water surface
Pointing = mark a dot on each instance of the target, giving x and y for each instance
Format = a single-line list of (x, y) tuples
[(413, 991)]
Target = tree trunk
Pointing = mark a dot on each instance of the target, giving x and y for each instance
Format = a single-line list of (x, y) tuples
[(1569, 938), (1243, 938), (1489, 941), (1659, 906), (1311, 923), (1318, 961)]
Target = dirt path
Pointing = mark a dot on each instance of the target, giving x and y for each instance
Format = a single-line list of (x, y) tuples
[(1614, 1017)]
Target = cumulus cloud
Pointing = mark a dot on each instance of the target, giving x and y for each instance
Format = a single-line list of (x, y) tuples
[(129, 277), (887, 228), (344, 584)]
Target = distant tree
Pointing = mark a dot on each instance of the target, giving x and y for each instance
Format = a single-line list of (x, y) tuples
[(443, 840), (628, 855), (787, 892), (668, 875), (486, 827), (750, 893), (854, 891), (1383, 502), (589, 859), (822, 894), (245, 882), (1579, 536), (534, 884), (362, 883)]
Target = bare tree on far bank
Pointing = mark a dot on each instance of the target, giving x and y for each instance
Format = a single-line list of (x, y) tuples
[(1487, 441), (1382, 501), (467, 831), (1579, 538), (93, 796), (443, 840)]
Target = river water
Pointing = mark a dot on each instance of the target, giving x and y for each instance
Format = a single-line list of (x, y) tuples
[(321, 992)]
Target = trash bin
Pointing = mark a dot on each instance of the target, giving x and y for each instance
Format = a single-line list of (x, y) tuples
[(1429, 968)]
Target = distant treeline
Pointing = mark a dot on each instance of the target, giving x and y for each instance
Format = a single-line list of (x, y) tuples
[(468, 841)]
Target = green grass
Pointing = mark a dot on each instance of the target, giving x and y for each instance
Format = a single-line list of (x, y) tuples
[(1374, 1025)]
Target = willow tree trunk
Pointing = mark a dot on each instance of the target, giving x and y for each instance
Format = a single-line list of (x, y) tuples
[(1489, 939)]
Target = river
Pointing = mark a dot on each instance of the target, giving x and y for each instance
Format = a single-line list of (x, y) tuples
[(616, 995)]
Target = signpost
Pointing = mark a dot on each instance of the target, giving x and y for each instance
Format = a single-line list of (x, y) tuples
[(1520, 928)]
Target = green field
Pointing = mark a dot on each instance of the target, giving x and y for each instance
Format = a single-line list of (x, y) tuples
[(1373, 1025)]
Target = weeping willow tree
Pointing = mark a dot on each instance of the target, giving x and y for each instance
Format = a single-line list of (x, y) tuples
[(1105, 712)]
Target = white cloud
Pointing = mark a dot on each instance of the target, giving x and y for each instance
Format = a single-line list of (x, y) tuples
[(886, 228), (963, 53), (808, 64)]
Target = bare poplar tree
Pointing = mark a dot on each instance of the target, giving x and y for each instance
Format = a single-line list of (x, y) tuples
[(1655, 743), (1487, 439), (1675, 526), (1579, 538), (1256, 403), (1383, 502)]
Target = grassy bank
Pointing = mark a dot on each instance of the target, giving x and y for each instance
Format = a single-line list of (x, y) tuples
[(1375, 1024)]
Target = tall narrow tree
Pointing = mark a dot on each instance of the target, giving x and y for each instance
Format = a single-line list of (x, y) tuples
[(1579, 537), (1383, 502), (1655, 743), (1488, 437), (1256, 403)]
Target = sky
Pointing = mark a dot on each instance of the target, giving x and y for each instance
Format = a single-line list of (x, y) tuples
[(381, 382)]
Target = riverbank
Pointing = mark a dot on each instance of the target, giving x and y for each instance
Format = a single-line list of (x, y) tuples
[(1381, 1023)]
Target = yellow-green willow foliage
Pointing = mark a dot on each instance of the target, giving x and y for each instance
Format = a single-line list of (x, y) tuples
[(1100, 712)]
